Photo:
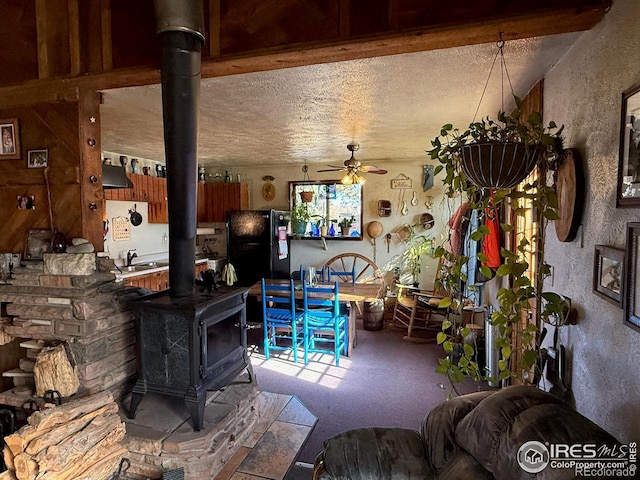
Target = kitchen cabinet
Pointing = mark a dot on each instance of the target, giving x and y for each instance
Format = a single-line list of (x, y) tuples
[(153, 281), (145, 189), (216, 199), (157, 281)]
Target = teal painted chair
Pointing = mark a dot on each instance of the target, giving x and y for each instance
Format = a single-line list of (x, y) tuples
[(325, 326), (283, 323)]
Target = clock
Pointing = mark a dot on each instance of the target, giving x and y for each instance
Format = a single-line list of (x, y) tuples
[(268, 189)]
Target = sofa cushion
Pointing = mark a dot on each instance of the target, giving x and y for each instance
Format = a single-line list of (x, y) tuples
[(380, 453), (494, 431), (464, 466), (439, 427)]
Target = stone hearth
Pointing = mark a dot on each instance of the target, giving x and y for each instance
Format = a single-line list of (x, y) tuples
[(246, 432)]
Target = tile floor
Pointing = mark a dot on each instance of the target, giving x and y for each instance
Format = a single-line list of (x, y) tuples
[(284, 425)]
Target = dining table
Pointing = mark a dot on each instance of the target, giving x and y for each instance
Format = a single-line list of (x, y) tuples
[(348, 292)]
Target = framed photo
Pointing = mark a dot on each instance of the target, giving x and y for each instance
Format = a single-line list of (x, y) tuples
[(26, 202), (631, 289), (37, 158), (629, 160), (608, 271), (9, 133)]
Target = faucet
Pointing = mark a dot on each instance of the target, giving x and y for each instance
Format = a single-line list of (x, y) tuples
[(131, 256)]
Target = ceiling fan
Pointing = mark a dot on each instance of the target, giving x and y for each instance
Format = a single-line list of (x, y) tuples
[(353, 167)]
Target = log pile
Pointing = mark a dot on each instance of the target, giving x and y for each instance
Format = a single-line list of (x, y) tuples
[(76, 440)]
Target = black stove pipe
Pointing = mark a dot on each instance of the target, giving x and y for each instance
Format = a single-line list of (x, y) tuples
[(180, 25)]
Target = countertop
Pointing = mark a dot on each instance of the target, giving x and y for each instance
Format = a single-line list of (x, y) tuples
[(145, 268)]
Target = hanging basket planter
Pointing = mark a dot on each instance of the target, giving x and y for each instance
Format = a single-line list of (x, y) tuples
[(499, 165), (306, 197)]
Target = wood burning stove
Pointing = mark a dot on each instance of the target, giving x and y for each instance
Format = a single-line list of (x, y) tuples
[(188, 345)]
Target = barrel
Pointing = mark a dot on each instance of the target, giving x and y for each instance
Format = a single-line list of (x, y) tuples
[(373, 315)]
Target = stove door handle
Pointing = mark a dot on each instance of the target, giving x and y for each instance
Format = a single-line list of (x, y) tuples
[(248, 326)]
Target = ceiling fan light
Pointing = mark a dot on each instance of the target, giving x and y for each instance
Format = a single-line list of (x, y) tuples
[(360, 180), (347, 180)]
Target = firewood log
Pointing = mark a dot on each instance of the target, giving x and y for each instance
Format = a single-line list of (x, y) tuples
[(8, 455), (18, 441), (105, 467), (68, 411), (58, 434), (26, 467), (8, 475), (71, 449), (105, 460), (53, 371)]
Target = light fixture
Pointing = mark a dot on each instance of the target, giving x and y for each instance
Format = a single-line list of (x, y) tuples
[(351, 178)]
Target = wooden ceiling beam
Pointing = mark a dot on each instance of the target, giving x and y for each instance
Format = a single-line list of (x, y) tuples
[(541, 23)]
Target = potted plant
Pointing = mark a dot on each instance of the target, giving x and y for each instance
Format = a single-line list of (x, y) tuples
[(496, 154), (489, 186), (300, 216), (345, 225), (418, 245), (306, 196)]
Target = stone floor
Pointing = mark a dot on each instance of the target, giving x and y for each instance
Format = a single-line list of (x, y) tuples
[(284, 425)]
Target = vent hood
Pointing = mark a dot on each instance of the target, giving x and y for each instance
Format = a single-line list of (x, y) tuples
[(115, 177)]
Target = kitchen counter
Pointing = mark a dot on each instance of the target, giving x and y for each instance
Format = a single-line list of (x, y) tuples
[(145, 268)]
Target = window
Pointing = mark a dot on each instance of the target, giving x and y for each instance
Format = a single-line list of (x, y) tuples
[(328, 204)]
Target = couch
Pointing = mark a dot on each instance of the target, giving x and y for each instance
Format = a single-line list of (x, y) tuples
[(476, 436)]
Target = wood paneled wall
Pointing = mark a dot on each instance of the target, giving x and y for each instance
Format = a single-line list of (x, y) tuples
[(53, 127)]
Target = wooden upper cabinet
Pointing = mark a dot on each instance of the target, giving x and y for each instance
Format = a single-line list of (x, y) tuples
[(216, 199), (145, 189)]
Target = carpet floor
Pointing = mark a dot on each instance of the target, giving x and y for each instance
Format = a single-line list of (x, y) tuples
[(387, 381)]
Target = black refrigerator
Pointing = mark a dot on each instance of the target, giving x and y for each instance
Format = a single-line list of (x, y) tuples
[(253, 247)]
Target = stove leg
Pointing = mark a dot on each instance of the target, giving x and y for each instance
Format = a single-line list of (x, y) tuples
[(194, 399), (250, 373), (139, 389)]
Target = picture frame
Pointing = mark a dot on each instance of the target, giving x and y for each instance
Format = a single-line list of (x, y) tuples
[(38, 158), (631, 277), (628, 191), (608, 272), (9, 139)]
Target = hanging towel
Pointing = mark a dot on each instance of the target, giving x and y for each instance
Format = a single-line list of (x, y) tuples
[(229, 275)]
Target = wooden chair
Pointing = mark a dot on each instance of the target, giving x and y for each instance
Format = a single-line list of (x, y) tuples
[(418, 309), (283, 323), (325, 327)]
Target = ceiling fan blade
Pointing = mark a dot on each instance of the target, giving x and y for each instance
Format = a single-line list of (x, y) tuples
[(337, 166), (372, 169), (330, 170)]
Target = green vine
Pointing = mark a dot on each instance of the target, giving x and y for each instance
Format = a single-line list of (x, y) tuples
[(515, 301)]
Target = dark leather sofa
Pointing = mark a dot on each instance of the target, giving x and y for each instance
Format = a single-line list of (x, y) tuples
[(475, 436)]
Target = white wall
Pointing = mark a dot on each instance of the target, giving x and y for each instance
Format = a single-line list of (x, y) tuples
[(583, 92), (377, 187), (147, 238)]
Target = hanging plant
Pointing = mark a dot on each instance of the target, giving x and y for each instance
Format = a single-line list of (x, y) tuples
[(529, 144), (306, 196), (496, 154)]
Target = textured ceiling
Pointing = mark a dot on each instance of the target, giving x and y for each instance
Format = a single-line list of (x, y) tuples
[(392, 106)]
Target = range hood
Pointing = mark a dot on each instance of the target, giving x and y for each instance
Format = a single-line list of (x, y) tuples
[(115, 177)]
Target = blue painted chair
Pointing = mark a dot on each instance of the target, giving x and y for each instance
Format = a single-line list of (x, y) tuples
[(330, 274), (283, 323), (325, 326)]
